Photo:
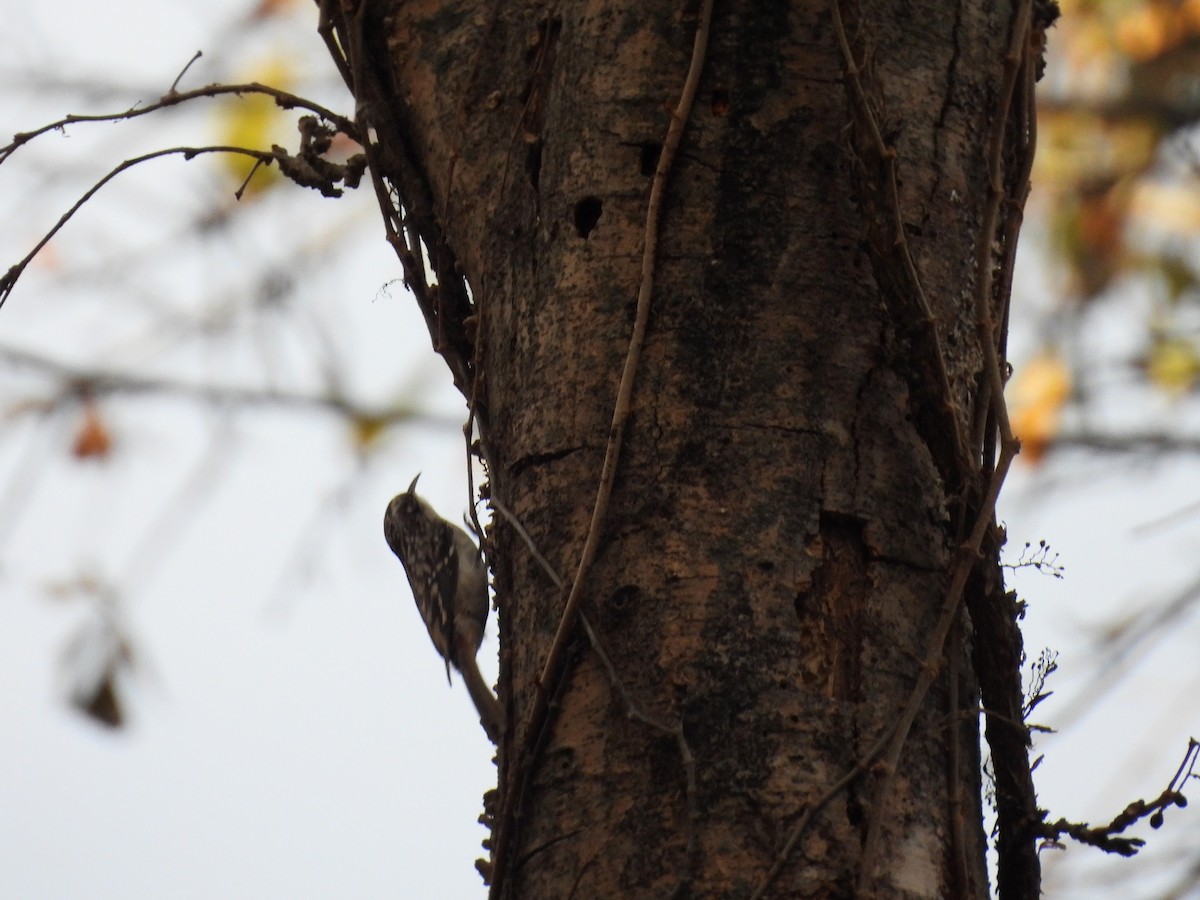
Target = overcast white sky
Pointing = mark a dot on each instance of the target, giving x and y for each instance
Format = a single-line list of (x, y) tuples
[(292, 734)]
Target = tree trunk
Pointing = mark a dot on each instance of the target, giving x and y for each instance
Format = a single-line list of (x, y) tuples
[(806, 449)]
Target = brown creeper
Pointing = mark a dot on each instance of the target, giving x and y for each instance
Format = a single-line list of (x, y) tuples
[(449, 583)]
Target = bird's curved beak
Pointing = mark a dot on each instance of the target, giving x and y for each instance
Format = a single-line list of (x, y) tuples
[(413, 487)]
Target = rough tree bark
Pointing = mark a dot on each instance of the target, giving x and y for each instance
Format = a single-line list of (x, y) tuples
[(803, 484)]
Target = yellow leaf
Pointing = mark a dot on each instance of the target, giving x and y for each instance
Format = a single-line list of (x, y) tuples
[(365, 431), (255, 121), (1173, 364), (1037, 395)]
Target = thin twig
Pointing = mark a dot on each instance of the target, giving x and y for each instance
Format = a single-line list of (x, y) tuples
[(528, 741), (954, 775), (9, 280), (968, 555), (806, 818), (98, 383), (1014, 63), (632, 710), (616, 433), (987, 428), (404, 196), (524, 535), (283, 99), (895, 733), (964, 562), (894, 737), (325, 28), (887, 157), (182, 72), (993, 612), (1105, 837)]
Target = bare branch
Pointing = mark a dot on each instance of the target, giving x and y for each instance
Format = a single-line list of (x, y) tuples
[(305, 168), (283, 99), (9, 279), (1105, 837), (183, 71), (78, 381)]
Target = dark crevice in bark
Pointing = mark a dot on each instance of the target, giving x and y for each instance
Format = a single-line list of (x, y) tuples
[(540, 459)]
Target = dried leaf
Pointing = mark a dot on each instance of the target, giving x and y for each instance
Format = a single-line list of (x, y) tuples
[(92, 440)]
